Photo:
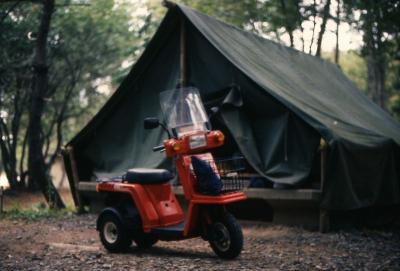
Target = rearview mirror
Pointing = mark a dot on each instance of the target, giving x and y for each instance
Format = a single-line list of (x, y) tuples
[(214, 110), (151, 123)]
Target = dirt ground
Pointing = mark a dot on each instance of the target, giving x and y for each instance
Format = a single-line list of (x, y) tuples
[(71, 243)]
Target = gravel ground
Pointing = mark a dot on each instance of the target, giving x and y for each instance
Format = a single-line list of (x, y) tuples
[(71, 243)]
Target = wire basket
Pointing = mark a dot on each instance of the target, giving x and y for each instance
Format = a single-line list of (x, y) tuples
[(229, 172)]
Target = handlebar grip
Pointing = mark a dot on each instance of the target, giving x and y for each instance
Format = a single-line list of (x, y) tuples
[(158, 148)]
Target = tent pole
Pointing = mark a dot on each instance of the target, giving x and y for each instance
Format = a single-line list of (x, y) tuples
[(324, 219), (183, 74), (75, 178)]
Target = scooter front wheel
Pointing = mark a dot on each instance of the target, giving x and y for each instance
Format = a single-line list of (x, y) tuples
[(226, 237)]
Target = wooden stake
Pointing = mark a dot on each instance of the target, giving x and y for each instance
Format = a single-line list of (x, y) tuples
[(75, 178), (1, 198), (323, 147)]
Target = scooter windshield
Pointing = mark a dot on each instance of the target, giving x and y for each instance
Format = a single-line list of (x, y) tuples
[(184, 111)]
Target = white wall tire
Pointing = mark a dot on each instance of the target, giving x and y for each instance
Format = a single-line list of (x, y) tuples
[(113, 235)]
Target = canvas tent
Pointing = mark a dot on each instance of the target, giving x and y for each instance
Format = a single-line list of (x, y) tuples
[(276, 105)]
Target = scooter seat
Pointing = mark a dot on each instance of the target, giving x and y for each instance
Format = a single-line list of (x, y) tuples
[(148, 176)]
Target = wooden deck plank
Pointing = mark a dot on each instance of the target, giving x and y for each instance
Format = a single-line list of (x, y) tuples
[(252, 193), (87, 186)]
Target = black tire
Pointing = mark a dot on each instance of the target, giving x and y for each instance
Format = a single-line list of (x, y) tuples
[(144, 240), (226, 237), (113, 235)]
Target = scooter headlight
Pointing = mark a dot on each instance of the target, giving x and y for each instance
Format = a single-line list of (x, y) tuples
[(176, 146), (197, 141), (219, 136)]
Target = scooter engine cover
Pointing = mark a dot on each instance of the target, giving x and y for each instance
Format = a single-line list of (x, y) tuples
[(148, 176)]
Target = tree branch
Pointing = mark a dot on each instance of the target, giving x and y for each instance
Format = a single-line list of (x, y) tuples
[(9, 11)]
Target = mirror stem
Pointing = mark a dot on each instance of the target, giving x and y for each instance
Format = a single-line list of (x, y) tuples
[(165, 129)]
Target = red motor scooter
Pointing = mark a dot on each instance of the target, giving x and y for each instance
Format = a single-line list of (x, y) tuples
[(141, 204)]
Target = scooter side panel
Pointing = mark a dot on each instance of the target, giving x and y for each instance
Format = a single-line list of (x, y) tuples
[(165, 203)]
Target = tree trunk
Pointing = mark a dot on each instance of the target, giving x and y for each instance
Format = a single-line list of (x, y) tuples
[(22, 172), (371, 76), (287, 24), (381, 69), (7, 160), (337, 32), (8, 146), (314, 25), (369, 43), (381, 62), (325, 17), (36, 161), (376, 59), (299, 15)]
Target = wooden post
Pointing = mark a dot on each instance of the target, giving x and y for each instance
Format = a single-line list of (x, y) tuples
[(75, 178), (323, 147), (1, 198), (324, 219), (183, 68)]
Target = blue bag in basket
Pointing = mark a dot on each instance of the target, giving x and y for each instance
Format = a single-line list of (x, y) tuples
[(207, 181)]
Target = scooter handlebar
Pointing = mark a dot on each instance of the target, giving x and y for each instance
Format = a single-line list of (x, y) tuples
[(159, 148)]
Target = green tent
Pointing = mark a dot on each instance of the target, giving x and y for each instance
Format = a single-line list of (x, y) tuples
[(276, 105)]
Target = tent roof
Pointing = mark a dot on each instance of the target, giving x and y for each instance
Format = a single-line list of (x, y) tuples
[(314, 89)]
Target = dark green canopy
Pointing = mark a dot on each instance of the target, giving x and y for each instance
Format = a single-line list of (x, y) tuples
[(277, 103)]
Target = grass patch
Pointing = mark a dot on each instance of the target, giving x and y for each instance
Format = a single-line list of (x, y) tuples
[(36, 212)]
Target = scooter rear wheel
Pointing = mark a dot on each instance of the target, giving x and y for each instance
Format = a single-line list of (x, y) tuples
[(113, 234), (226, 237)]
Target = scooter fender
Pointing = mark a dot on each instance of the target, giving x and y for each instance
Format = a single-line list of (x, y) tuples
[(106, 211)]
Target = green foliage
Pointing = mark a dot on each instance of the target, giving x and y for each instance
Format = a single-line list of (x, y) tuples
[(353, 65), (380, 23), (86, 48), (393, 79), (394, 105), (234, 12), (262, 17), (37, 212)]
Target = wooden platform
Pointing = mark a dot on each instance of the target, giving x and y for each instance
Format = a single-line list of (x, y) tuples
[(252, 193)]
